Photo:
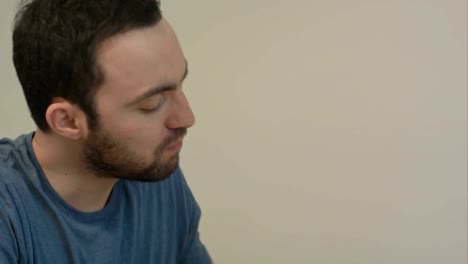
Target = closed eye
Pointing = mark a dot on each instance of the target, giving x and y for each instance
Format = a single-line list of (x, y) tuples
[(153, 105), (151, 110)]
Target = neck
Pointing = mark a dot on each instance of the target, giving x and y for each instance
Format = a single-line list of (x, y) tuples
[(61, 162)]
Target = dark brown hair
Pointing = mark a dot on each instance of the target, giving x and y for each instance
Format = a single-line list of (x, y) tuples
[(54, 48)]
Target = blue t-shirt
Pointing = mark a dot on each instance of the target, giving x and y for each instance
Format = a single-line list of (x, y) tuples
[(143, 222)]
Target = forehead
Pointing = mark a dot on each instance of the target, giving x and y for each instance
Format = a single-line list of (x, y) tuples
[(139, 59)]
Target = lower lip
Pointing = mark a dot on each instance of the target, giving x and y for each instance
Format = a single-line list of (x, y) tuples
[(175, 147)]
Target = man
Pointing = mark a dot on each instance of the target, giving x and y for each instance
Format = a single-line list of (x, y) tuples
[(98, 181)]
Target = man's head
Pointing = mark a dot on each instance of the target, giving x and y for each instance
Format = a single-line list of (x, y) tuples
[(106, 74)]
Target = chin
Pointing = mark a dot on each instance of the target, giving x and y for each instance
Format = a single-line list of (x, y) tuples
[(159, 172)]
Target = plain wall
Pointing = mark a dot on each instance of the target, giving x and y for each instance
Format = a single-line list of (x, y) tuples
[(328, 131)]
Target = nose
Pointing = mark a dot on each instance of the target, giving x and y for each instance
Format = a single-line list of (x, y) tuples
[(181, 115)]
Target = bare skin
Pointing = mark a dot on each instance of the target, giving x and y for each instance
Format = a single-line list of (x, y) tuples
[(133, 63)]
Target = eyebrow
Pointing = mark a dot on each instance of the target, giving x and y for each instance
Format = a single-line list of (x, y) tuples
[(159, 89)]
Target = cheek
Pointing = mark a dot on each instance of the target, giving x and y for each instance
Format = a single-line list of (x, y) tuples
[(140, 136), (141, 133)]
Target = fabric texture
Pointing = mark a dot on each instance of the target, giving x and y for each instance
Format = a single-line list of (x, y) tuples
[(143, 222)]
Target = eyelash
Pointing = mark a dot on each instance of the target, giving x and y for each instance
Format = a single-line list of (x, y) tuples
[(149, 111)]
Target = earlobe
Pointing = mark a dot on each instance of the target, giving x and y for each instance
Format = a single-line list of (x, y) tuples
[(62, 118)]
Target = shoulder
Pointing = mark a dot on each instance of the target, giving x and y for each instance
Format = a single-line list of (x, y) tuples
[(9, 178), (6, 147), (12, 150), (11, 222), (14, 164), (13, 157)]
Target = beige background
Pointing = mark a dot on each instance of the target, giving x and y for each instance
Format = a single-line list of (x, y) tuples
[(328, 131)]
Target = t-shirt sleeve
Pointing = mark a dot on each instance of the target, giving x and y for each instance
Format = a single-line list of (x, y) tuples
[(8, 245), (194, 251)]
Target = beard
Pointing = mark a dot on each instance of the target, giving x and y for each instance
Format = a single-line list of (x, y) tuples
[(108, 157)]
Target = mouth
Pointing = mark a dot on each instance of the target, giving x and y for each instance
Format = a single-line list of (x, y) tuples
[(176, 147)]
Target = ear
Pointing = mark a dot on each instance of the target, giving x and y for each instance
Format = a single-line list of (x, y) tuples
[(66, 119)]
